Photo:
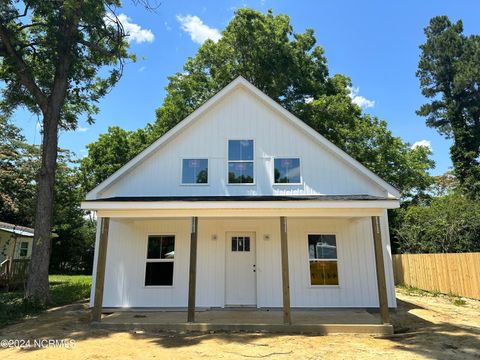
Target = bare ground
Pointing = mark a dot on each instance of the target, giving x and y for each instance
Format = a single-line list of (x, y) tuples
[(427, 327)]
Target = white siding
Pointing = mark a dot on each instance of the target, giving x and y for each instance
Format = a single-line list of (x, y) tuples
[(241, 115), (124, 282)]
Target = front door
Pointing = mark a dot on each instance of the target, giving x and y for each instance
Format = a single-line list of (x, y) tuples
[(241, 280)]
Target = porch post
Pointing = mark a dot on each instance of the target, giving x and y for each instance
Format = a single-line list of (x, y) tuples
[(192, 280), (287, 318), (100, 273), (380, 266)]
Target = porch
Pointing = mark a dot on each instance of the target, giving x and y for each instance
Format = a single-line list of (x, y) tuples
[(313, 321), (279, 224)]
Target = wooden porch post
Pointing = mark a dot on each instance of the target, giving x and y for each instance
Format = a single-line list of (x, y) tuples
[(192, 280), (287, 318), (380, 266), (100, 273)]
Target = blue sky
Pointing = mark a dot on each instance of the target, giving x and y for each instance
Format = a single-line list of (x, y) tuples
[(373, 42)]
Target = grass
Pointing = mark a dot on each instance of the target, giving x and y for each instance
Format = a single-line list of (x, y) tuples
[(64, 289), (414, 291)]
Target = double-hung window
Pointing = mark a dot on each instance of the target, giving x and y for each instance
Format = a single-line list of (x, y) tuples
[(160, 260), (194, 171), (286, 171), (23, 249), (240, 162), (322, 256)]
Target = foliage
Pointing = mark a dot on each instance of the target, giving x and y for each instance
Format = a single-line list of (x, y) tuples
[(291, 69), (57, 59), (64, 290), (18, 168), (449, 74), (449, 223)]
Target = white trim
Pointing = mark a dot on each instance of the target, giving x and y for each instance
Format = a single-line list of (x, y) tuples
[(306, 204), (240, 81)]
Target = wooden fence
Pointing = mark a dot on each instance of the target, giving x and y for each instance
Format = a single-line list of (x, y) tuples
[(457, 274)]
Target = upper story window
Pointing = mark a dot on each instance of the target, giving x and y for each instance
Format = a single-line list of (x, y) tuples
[(195, 171), (287, 171), (240, 161)]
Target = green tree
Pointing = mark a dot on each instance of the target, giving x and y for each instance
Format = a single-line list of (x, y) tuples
[(449, 223), (291, 69), (449, 74), (51, 53)]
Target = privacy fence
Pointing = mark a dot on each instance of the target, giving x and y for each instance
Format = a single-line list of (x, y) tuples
[(457, 274)]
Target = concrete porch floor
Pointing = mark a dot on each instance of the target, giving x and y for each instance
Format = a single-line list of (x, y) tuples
[(321, 321)]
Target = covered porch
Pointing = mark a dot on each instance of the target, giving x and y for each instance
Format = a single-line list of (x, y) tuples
[(314, 321), (284, 319)]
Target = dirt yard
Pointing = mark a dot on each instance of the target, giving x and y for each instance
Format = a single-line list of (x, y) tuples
[(427, 327)]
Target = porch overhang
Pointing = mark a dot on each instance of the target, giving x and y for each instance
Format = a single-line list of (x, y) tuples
[(242, 206)]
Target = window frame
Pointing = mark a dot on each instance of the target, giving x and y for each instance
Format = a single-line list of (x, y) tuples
[(242, 161), (146, 260), (309, 275), (287, 157), (195, 184), (26, 249)]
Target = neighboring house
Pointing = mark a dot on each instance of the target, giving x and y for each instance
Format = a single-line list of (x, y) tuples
[(15, 241), (242, 204)]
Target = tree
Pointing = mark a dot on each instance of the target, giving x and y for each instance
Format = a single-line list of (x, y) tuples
[(51, 53), (292, 69), (449, 223), (18, 168), (449, 74)]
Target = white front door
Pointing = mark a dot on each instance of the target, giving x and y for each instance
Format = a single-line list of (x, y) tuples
[(241, 279)]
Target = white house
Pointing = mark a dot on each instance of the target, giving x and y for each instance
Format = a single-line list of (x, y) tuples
[(242, 204)]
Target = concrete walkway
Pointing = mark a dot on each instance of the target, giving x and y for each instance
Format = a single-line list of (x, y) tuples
[(322, 321)]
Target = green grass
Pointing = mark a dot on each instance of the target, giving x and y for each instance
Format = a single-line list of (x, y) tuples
[(414, 291), (64, 289), (458, 302)]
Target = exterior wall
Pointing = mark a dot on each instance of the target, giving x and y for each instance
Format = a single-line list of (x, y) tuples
[(124, 282), (6, 246), (241, 115)]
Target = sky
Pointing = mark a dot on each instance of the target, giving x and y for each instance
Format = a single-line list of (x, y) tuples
[(376, 43)]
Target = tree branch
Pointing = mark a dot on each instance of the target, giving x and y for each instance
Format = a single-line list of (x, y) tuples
[(24, 74)]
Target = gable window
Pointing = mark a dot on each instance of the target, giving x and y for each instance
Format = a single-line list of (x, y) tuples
[(160, 260), (322, 256), (23, 248), (286, 171), (195, 171), (240, 161)]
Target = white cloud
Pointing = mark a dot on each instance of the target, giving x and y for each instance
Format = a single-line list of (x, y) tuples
[(134, 31), (361, 101), (425, 143), (81, 129), (199, 32), (142, 69)]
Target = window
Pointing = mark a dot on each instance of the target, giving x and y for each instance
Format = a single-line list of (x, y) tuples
[(240, 243), (240, 161), (23, 248), (195, 171), (287, 171), (160, 256), (322, 254)]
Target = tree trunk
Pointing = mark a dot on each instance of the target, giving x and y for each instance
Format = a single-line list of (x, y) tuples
[(37, 284)]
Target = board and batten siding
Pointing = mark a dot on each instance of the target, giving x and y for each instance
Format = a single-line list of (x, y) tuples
[(241, 115), (126, 256)]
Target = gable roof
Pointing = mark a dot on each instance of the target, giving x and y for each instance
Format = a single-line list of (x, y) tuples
[(241, 82), (16, 229)]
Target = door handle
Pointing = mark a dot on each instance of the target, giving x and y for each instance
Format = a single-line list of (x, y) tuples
[(254, 269)]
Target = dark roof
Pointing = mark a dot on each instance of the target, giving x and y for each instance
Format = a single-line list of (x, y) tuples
[(244, 198)]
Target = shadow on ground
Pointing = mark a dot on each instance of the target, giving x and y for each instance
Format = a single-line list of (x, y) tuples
[(413, 335)]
